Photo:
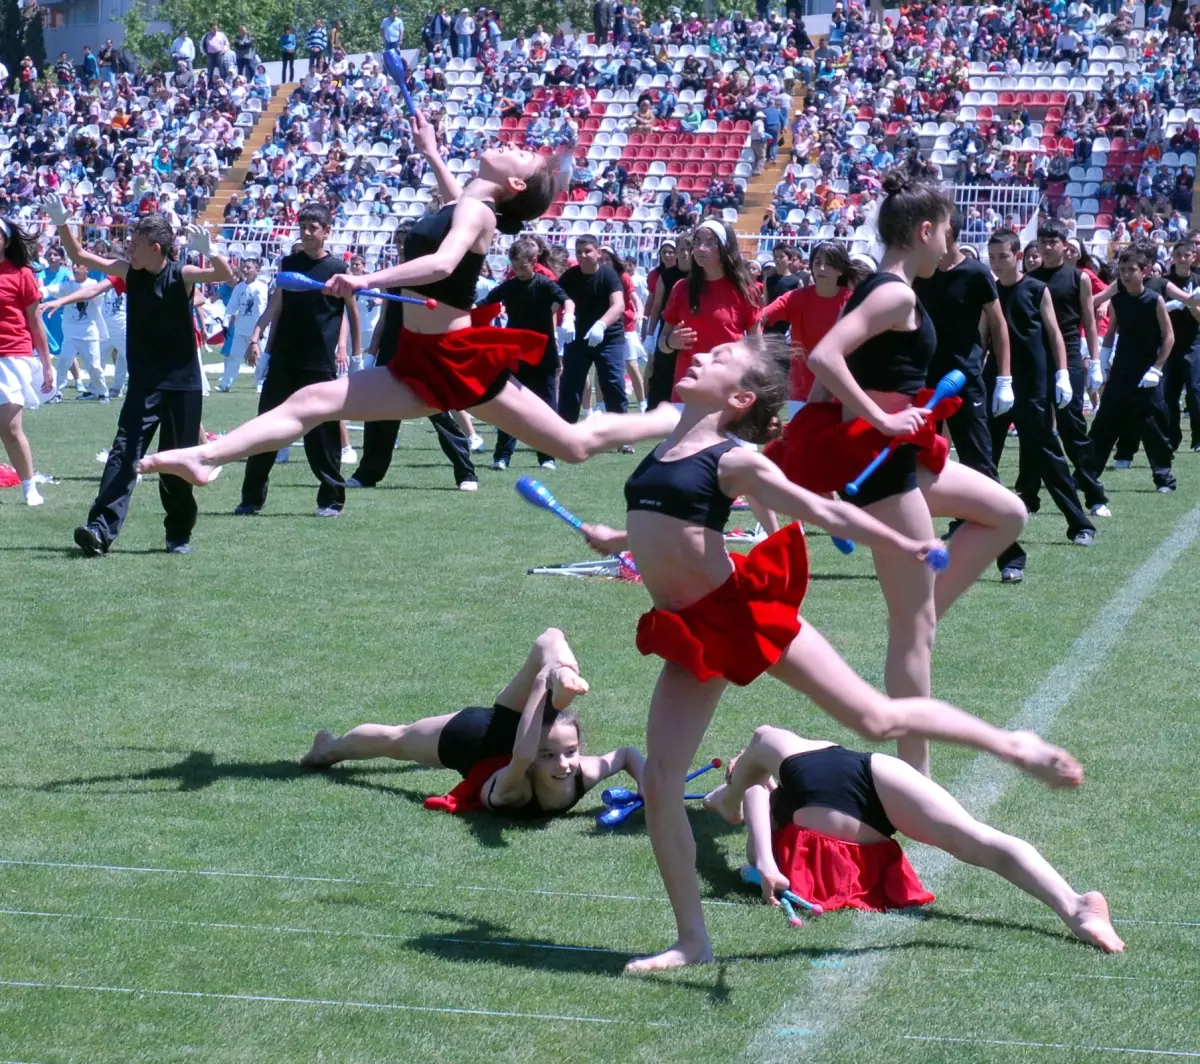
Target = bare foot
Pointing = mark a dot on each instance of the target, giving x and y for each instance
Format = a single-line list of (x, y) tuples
[(1050, 764), (565, 685), (1091, 923), (725, 802), (320, 754), (186, 463), (676, 957)]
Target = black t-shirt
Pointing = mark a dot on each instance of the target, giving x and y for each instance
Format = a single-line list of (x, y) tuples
[(1031, 355), (1182, 322), (1140, 337), (530, 304), (592, 296), (393, 322), (954, 300), (160, 343), (1063, 282), (306, 334), (777, 286)]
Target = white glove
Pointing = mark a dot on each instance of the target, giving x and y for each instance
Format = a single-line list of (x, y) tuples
[(1151, 378), (595, 335), (199, 240), (1095, 374), (55, 209), (1062, 388), (1002, 397), (566, 331)]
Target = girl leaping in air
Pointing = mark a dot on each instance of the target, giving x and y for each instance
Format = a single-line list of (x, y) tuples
[(719, 619), (444, 361)]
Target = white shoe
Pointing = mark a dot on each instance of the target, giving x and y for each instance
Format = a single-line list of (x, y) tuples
[(549, 465), (351, 482), (214, 473), (469, 485), (349, 456), (283, 456), (1100, 510), (102, 456), (477, 443), (642, 407), (500, 465), (33, 496)]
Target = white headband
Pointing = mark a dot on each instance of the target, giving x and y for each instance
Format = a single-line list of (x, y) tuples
[(718, 229)]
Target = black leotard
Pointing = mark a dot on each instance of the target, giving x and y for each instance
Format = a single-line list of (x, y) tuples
[(686, 488), (457, 290), (834, 778), (476, 733), (892, 361)]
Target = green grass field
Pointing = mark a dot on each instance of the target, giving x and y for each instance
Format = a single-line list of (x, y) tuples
[(174, 888)]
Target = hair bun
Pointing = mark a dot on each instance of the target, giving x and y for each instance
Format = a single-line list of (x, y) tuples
[(896, 181)]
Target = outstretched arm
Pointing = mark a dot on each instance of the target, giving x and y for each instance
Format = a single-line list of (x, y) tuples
[(627, 759), (425, 138), (746, 472), (58, 214), (756, 812), (217, 271), (81, 295)]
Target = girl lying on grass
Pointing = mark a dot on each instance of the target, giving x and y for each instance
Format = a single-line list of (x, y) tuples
[(521, 758), (820, 820)]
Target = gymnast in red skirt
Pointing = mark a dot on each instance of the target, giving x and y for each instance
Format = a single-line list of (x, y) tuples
[(719, 619), (873, 365), (521, 758), (820, 820), (446, 359)]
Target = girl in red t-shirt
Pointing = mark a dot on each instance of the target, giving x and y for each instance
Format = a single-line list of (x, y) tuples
[(718, 304), (811, 311), (22, 382)]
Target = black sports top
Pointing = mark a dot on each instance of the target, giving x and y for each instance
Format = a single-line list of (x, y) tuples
[(424, 238), (687, 488), (892, 361), (1064, 281)]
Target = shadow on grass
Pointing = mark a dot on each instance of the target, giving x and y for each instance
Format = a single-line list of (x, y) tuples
[(933, 915), (75, 552)]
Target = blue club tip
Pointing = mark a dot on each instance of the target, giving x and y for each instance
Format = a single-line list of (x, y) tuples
[(938, 559), (846, 546)]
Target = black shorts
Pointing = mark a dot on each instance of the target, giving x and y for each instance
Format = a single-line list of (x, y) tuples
[(474, 734), (834, 778), (896, 476)]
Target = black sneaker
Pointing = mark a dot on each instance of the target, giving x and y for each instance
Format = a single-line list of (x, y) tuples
[(245, 509), (90, 543), (1012, 576), (179, 546), (1085, 537), (1165, 489)]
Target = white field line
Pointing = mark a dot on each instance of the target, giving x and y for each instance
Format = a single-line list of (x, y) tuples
[(294, 878), (836, 995), (275, 999), (284, 930), (1051, 1045)]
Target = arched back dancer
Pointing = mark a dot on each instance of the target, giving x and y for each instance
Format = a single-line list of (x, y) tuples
[(443, 361)]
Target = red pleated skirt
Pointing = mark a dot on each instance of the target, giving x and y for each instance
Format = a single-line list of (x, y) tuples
[(821, 452), (740, 629), (467, 796), (840, 875), (458, 370)]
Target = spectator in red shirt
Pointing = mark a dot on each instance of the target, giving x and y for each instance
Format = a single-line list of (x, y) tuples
[(717, 305)]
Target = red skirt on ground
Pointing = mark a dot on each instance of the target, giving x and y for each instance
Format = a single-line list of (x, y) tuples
[(740, 629), (841, 875), (456, 370), (821, 452), (467, 797)]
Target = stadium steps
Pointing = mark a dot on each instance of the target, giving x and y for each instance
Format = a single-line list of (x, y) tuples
[(760, 193), (235, 177)]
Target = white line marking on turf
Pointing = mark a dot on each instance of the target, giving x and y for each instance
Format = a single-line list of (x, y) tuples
[(1051, 1045), (283, 930), (1037, 977), (291, 878), (835, 995), (276, 999)]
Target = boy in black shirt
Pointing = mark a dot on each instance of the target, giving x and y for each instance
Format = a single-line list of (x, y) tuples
[(164, 371), (530, 300), (1040, 383), (305, 349), (1134, 392), (599, 300), (1182, 377)]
